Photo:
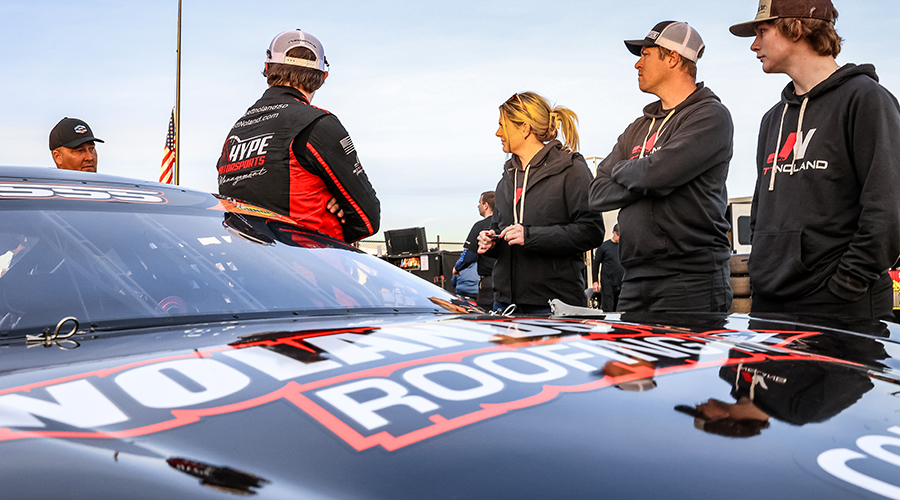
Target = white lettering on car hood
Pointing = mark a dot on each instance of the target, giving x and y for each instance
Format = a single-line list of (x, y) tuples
[(68, 191), (389, 387)]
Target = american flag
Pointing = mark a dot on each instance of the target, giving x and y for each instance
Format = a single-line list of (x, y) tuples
[(168, 162)]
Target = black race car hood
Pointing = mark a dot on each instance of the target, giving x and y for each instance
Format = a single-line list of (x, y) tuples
[(457, 407)]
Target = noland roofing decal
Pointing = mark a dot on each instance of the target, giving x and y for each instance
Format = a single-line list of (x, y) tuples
[(11, 190), (429, 379), (868, 449)]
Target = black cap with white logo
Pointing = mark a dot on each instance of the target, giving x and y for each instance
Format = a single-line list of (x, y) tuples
[(71, 133)]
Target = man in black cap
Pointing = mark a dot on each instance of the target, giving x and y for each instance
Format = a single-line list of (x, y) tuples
[(825, 219), (667, 176), (72, 145)]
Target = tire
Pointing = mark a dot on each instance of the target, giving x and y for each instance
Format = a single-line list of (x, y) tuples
[(740, 286), (738, 264), (741, 305)]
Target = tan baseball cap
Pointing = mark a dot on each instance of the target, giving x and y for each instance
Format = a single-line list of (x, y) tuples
[(773, 9)]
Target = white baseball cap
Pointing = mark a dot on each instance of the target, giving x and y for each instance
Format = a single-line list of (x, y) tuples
[(672, 35), (287, 40)]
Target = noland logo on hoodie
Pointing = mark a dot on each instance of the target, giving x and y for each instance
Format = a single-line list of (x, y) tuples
[(645, 149), (798, 147)]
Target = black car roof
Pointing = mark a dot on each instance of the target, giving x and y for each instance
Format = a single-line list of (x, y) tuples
[(55, 174)]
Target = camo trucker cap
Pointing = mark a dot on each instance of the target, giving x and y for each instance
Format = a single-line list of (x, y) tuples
[(673, 35), (773, 9), (71, 133), (287, 40)]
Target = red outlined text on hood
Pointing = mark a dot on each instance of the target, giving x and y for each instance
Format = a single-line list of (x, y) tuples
[(389, 387)]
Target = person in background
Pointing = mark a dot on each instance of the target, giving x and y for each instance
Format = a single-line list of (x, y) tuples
[(542, 223), (465, 281), (483, 263), (293, 158), (667, 176), (825, 218), (611, 274), (72, 145)]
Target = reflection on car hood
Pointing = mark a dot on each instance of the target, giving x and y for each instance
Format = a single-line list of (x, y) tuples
[(432, 406), (107, 253)]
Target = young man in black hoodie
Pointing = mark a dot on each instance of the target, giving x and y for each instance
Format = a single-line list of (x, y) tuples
[(825, 218), (667, 175)]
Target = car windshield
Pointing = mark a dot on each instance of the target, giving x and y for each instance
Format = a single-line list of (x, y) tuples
[(102, 265)]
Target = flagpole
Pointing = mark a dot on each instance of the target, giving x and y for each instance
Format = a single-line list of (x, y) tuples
[(176, 177)]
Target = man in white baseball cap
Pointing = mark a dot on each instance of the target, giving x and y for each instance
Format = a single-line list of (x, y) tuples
[(825, 217), (296, 159), (667, 176)]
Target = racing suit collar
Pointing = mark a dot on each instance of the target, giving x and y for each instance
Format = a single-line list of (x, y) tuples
[(287, 90)]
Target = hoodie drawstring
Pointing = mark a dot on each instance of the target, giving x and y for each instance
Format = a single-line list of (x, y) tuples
[(797, 141), (518, 218), (777, 149), (658, 134)]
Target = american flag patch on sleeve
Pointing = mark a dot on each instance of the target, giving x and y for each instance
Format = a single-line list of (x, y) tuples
[(347, 144)]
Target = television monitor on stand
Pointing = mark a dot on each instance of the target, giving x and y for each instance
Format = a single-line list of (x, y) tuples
[(406, 241)]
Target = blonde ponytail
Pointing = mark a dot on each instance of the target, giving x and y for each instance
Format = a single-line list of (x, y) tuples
[(546, 122), (568, 123)]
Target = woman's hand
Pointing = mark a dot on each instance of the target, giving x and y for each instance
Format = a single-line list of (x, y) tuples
[(486, 240), (514, 235)]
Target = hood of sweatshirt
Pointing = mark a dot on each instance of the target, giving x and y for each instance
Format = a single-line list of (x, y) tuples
[(655, 109), (551, 159), (841, 75)]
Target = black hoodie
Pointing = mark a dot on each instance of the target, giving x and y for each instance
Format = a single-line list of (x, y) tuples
[(670, 187), (559, 228), (829, 213)]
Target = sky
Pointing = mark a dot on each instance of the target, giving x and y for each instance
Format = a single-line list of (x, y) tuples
[(416, 83)]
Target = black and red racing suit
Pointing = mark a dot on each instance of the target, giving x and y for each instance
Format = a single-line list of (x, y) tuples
[(291, 157)]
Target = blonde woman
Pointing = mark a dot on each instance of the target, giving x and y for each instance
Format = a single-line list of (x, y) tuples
[(542, 223)]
